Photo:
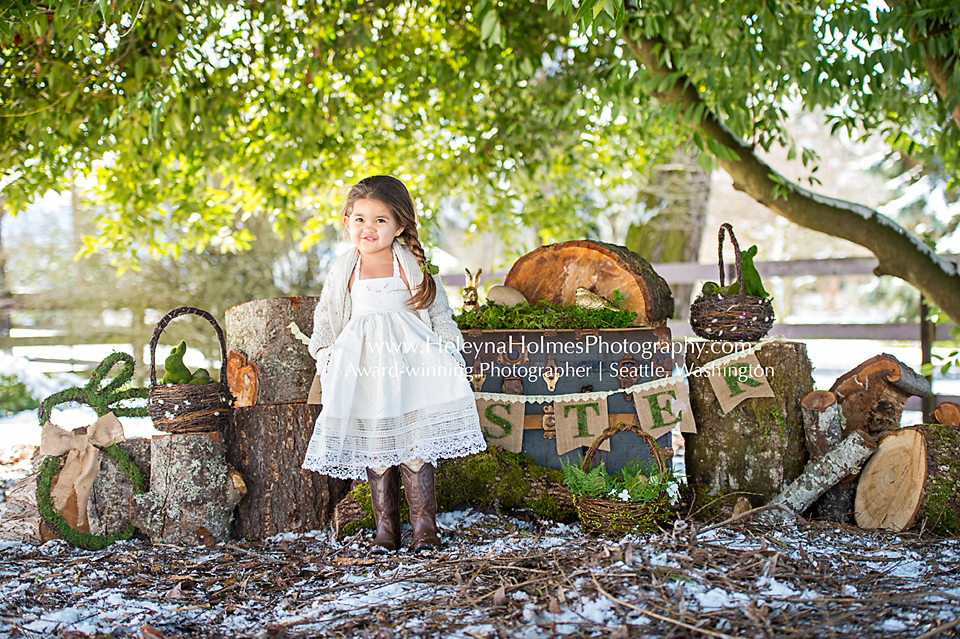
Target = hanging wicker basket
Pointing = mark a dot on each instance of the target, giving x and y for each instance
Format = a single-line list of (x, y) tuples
[(188, 408), (610, 516), (731, 318)]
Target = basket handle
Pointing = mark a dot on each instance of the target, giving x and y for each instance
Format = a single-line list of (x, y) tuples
[(169, 317), (610, 431), (739, 259)]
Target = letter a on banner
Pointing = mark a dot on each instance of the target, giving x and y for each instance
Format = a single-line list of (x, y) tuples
[(579, 423), (739, 380), (502, 423), (661, 409)]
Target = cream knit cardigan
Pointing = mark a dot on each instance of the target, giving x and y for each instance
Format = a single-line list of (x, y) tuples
[(334, 308)]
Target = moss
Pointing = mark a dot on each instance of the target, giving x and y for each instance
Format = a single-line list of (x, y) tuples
[(940, 511), (482, 480)]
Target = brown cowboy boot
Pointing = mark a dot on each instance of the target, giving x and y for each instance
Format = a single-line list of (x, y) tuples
[(422, 497), (385, 498)]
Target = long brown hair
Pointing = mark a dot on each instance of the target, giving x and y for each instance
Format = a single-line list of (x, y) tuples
[(394, 195)]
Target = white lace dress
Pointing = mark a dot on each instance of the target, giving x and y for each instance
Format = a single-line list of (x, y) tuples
[(392, 392)]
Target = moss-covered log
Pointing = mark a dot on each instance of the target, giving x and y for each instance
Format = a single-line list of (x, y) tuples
[(493, 478), (759, 446)]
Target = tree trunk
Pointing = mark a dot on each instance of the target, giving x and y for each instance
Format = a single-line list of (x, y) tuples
[(260, 331), (874, 394), (191, 488), (899, 252), (912, 479), (759, 446), (822, 474), (267, 444), (553, 273), (678, 192)]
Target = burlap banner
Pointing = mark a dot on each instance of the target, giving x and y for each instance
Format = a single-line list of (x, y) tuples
[(580, 423), (502, 423), (737, 380), (661, 409)]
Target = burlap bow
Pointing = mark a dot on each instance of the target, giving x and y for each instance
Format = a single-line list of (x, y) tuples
[(82, 464)]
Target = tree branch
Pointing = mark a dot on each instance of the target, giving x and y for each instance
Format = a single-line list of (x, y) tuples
[(899, 252)]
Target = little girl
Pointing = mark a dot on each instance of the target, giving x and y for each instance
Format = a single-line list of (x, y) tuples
[(395, 391)]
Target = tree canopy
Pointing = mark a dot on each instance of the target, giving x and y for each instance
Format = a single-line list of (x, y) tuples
[(198, 115)]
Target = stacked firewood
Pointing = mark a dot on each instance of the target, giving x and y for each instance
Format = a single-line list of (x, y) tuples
[(864, 467)]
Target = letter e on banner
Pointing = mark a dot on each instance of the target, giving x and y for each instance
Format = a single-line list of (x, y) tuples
[(661, 409), (738, 380), (502, 423), (579, 423)]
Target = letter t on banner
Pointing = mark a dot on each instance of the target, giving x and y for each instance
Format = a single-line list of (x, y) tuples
[(578, 424), (502, 423), (660, 409), (738, 380)]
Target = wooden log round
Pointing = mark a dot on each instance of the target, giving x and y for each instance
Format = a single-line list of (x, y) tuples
[(553, 273), (948, 414), (259, 333), (758, 447), (912, 480), (267, 444)]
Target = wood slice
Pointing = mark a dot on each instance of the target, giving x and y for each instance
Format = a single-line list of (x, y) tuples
[(758, 447), (948, 414), (913, 480), (553, 273), (260, 331), (191, 488), (874, 394), (267, 445)]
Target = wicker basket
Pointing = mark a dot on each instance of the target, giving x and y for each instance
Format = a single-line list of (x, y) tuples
[(188, 408), (731, 318), (609, 516)]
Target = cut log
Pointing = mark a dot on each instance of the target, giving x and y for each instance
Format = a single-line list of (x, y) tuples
[(948, 414), (822, 474), (267, 445), (873, 395), (913, 479), (822, 422), (260, 331), (191, 487), (553, 273), (243, 379)]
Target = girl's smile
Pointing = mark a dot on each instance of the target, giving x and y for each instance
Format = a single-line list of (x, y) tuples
[(372, 227)]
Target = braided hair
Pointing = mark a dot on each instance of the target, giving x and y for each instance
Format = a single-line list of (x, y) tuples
[(392, 193)]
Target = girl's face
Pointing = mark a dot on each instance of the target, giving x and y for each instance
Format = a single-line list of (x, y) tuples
[(372, 227)]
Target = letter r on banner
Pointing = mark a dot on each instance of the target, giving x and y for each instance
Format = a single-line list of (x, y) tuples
[(738, 380)]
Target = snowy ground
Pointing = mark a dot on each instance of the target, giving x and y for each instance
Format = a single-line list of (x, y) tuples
[(497, 577)]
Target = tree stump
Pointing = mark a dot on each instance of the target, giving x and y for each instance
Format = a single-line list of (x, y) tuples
[(759, 446), (191, 488), (267, 445), (912, 479), (259, 333), (553, 273), (873, 395)]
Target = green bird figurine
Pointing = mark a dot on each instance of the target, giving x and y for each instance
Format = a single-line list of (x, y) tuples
[(201, 376), (174, 370)]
